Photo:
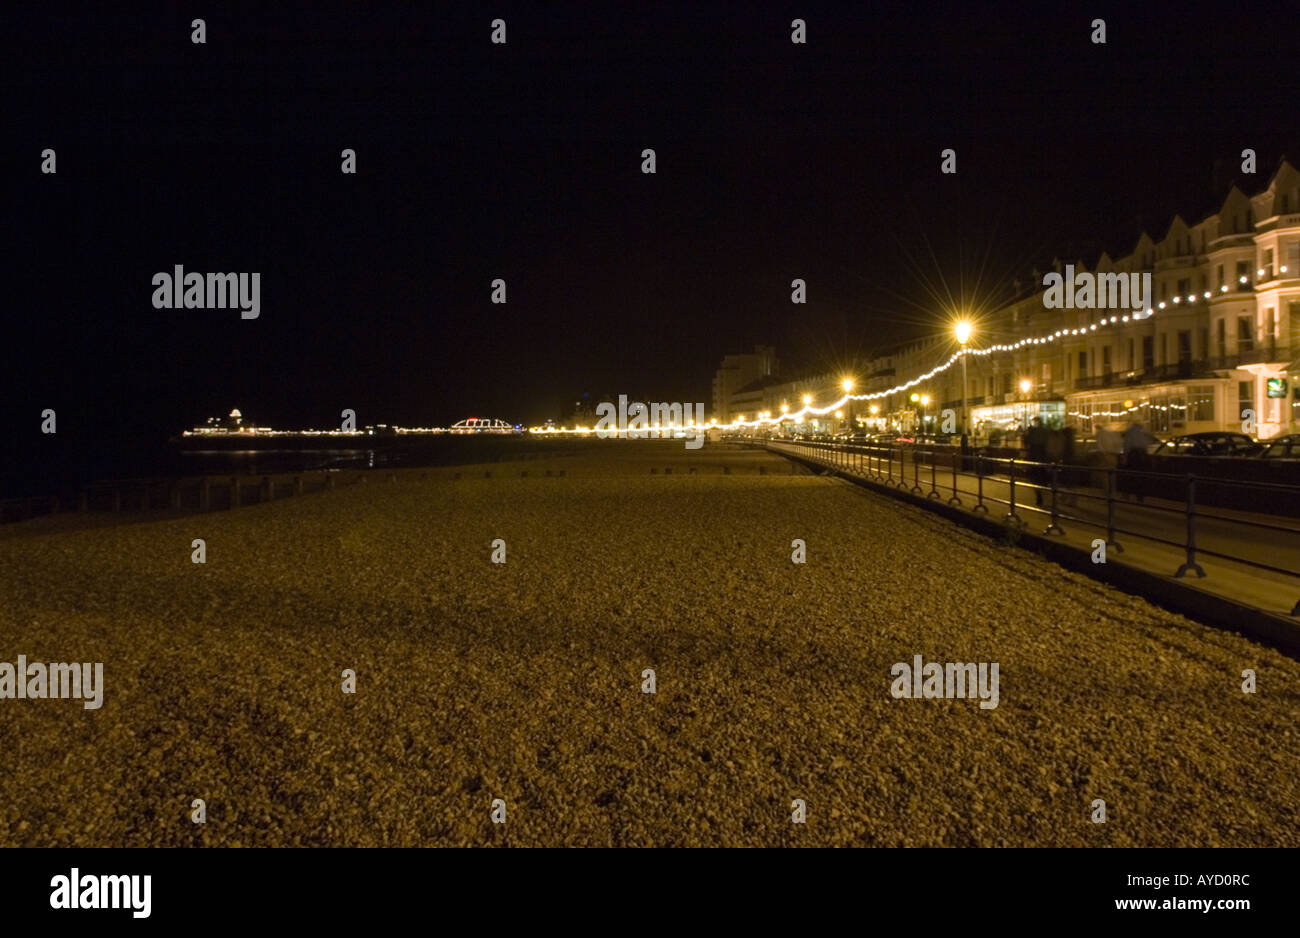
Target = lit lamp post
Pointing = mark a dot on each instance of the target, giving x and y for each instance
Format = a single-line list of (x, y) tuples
[(925, 402), (875, 409), (963, 330), (1025, 386), (847, 385)]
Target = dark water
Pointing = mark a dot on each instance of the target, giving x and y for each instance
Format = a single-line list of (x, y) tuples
[(60, 466)]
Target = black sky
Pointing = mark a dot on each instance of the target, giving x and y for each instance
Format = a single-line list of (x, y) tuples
[(522, 161)]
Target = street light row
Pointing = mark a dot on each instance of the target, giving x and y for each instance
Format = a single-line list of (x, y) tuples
[(963, 330)]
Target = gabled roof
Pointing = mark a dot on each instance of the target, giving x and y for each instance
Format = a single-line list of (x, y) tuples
[(1284, 167)]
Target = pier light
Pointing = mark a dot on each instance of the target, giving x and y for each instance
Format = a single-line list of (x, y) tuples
[(963, 329), (807, 399), (839, 415), (847, 384), (925, 400), (1025, 385), (915, 397), (1242, 278), (785, 408), (875, 409)]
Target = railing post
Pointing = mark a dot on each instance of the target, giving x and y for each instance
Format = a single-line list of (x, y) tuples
[(955, 500), (1111, 543), (916, 473), (1190, 564), (1011, 514), (889, 466), (979, 485), (934, 468), (1053, 527)]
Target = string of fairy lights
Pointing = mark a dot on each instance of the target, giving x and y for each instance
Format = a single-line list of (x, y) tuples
[(964, 329)]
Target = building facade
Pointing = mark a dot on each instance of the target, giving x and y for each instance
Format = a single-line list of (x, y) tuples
[(737, 372), (1214, 348)]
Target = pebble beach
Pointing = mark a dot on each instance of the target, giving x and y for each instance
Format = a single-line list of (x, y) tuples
[(523, 681)]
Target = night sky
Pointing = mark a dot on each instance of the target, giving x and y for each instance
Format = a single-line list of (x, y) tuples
[(522, 161)]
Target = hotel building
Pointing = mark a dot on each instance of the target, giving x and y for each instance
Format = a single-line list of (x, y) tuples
[(1217, 351)]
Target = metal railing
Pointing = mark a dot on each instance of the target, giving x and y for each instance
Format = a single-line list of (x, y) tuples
[(1179, 510)]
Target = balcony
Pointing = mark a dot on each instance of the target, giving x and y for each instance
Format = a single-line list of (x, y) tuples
[(1278, 221), (1203, 368), (1173, 263)]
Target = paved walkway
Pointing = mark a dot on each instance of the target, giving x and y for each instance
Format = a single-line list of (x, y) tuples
[(1253, 559)]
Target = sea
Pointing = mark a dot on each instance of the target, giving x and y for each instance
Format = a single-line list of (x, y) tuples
[(59, 466)]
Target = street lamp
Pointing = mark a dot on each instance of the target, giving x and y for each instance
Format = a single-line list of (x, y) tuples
[(963, 330), (925, 402), (1025, 386), (807, 399), (847, 385)]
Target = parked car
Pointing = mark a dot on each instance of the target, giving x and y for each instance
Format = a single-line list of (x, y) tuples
[(1282, 447), (1209, 444)]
